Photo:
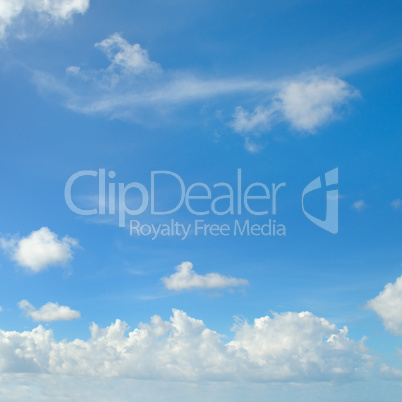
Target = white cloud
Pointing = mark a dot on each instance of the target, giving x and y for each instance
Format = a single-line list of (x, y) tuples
[(306, 104), (127, 62), (55, 10), (1, 309), (390, 373), (388, 305), (359, 205), (259, 120), (186, 279), (39, 250), (131, 58), (296, 347), (49, 312), (312, 103), (128, 85), (396, 204), (129, 88), (251, 146)]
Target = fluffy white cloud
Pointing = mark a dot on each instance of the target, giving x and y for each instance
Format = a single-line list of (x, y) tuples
[(186, 279), (359, 205), (305, 104), (309, 104), (287, 347), (388, 305), (56, 10), (49, 312), (39, 250)]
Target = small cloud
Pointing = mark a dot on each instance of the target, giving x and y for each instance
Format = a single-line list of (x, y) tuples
[(186, 279), (396, 204), (312, 103), (39, 250), (359, 205), (305, 104), (390, 373), (1, 309), (388, 306), (256, 121), (49, 312), (130, 58), (252, 147), (126, 63)]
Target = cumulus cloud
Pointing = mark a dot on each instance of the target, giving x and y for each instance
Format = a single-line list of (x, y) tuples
[(308, 105), (49, 312), (286, 347), (185, 278), (56, 10), (305, 104), (359, 205), (388, 305), (39, 250)]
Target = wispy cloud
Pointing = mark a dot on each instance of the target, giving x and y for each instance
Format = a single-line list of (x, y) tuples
[(134, 87)]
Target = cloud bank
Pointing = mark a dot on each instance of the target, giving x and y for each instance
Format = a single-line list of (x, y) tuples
[(286, 347), (187, 279), (11, 11), (49, 312), (39, 250)]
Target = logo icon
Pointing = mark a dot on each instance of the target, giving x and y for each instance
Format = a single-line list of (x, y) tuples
[(330, 223)]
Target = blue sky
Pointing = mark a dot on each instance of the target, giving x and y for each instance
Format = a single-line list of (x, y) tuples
[(285, 92)]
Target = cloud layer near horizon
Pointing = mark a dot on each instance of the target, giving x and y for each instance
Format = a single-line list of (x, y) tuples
[(286, 347)]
